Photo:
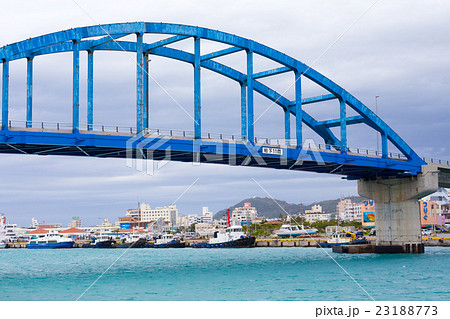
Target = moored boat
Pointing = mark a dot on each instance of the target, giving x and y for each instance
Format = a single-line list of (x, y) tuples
[(343, 238), (133, 241), (294, 231), (167, 241), (232, 237), (104, 241), (51, 240)]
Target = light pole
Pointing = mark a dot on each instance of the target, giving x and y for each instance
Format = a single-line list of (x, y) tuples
[(376, 113)]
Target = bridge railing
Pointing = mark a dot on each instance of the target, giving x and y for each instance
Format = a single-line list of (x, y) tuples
[(278, 142), (435, 161)]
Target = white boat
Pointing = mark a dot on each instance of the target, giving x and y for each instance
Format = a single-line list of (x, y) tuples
[(167, 241), (343, 238), (8, 232), (292, 231), (51, 240), (232, 236), (165, 238), (229, 234), (103, 241)]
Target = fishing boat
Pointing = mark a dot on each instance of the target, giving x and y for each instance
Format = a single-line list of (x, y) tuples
[(167, 241), (8, 232), (104, 241), (51, 240), (133, 241), (231, 237), (294, 231), (3, 239), (343, 238)]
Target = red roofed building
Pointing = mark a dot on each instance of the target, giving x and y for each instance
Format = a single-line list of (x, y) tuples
[(75, 233), (39, 231), (73, 230)]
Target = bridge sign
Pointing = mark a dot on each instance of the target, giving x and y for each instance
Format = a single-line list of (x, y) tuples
[(272, 150)]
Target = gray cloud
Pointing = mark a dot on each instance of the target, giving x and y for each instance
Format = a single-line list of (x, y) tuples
[(397, 50)]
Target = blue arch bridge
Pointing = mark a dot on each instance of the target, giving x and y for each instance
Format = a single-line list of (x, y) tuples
[(394, 180)]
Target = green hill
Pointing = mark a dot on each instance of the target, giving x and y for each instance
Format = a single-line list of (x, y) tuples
[(269, 208)]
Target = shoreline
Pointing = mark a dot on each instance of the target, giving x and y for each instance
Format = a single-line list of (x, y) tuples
[(277, 242)]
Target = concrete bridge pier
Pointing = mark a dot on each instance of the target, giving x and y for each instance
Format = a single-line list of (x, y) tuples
[(397, 215)]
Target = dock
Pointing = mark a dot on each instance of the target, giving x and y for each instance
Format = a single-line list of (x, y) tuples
[(300, 242)]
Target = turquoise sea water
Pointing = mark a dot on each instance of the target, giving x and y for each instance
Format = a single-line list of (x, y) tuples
[(221, 274)]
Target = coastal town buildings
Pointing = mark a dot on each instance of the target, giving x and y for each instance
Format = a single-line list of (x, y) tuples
[(75, 222), (446, 214), (207, 216), (348, 211), (204, 229), (316, 214), (105, 227), (437, 204), (242, 215), (168, 213)]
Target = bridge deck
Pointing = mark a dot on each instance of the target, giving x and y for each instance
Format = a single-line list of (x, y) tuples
[(311, 158)]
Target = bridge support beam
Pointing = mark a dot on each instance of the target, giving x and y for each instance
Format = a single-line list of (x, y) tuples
[(397, 215), (250, 119), (146, 92), (244, 112), (384, 145), (298, 109), (90, 91), (287, 126), (139, 83), (76, 86), (5, 95), (343, 119), (197, 91), (29, 92)]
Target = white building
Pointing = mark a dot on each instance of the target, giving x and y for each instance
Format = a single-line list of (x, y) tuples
[(207, 216), (222, 223), (316, 214), (241, 215), (204, 230), (34, 223), (168, 213), (105, 227), (194, 219), (75, 222), (133, 213), (348, 211)]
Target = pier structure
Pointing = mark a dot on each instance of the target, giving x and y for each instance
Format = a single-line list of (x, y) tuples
[(398, 226)]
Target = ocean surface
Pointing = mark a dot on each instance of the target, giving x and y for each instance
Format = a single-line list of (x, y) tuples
[(221, 274)]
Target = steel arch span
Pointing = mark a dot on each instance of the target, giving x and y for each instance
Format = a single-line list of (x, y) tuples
[(336, 156)]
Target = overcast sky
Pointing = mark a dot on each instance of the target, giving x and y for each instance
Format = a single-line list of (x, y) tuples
[(397, 50)]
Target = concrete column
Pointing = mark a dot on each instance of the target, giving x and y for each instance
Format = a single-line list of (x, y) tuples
[(397, 215)]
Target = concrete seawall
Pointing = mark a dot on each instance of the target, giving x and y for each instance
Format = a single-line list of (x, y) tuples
[(294, 242)]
